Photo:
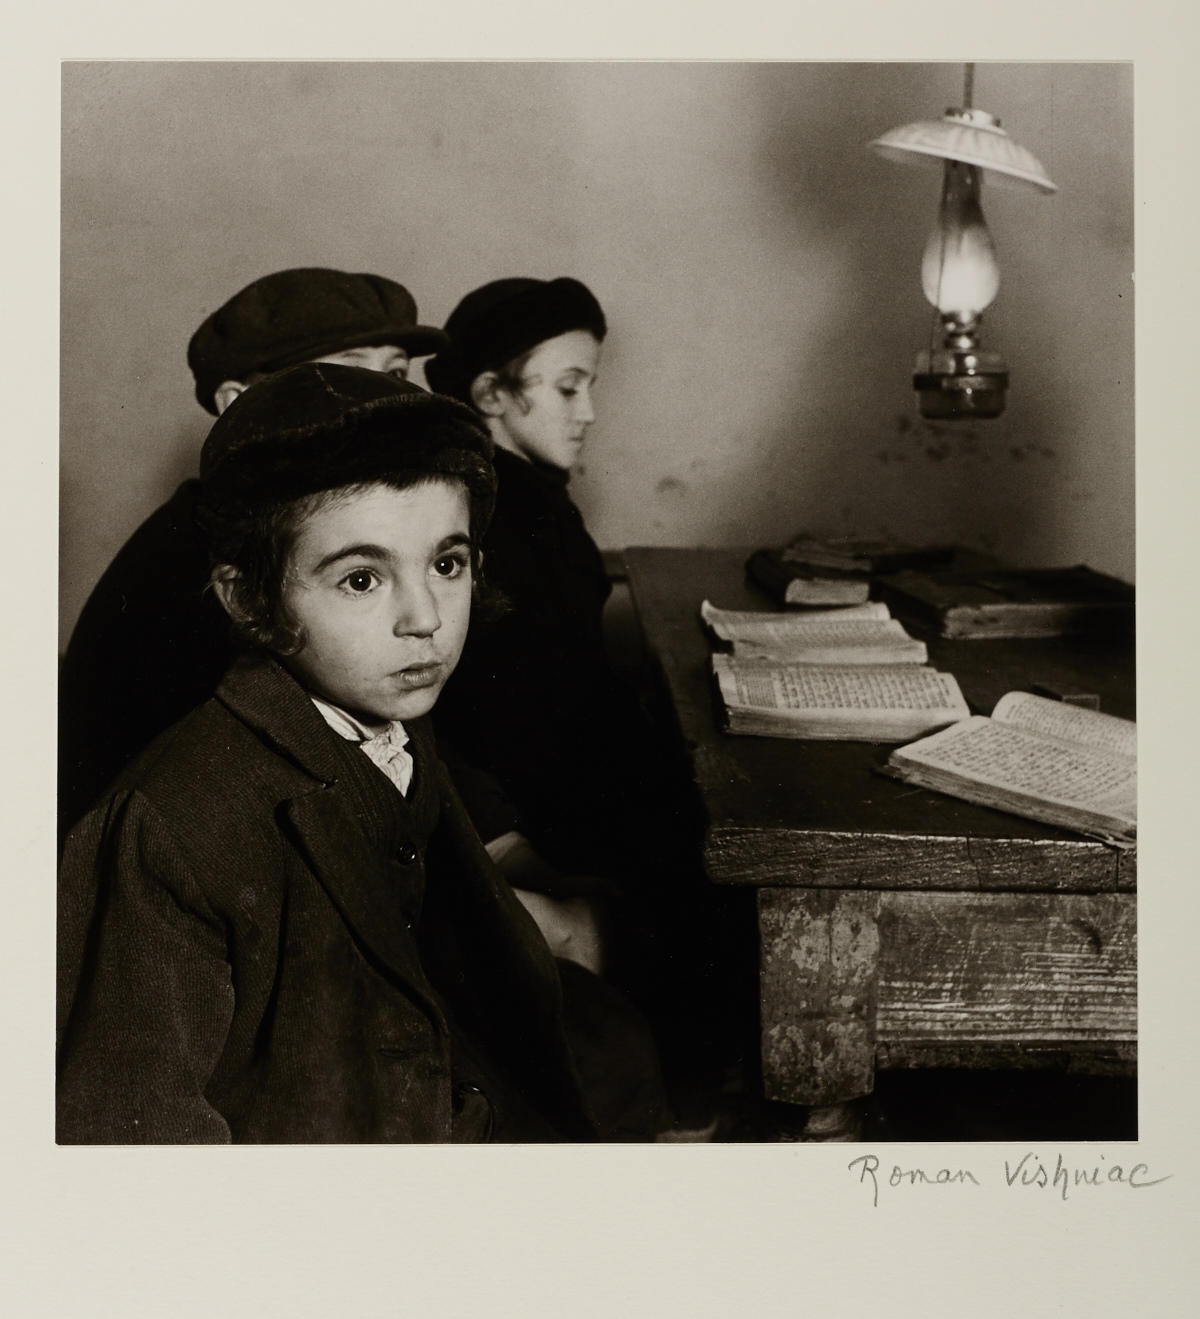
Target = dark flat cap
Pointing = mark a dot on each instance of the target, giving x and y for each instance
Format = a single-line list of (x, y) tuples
[(295, 315), (321, 426), (499, 321)]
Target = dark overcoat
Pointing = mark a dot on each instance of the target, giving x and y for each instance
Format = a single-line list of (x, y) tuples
[(250, 951), (150, 645), (535, 688)]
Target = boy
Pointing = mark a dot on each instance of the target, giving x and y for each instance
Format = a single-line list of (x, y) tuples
[(151, 643), (535, 700), (266, 934)]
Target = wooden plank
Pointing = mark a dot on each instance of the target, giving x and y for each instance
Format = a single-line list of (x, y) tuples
[(984, 968), (814, 858), (1090, 1057), (819, 956), (854, 980)]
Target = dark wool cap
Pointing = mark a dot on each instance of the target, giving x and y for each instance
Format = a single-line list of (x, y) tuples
[(295, 315), (320, 426), (504, 319)]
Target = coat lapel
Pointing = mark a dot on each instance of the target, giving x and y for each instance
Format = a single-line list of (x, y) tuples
[(321, 815)]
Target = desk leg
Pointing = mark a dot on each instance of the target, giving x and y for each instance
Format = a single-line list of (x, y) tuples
[(818, 990)]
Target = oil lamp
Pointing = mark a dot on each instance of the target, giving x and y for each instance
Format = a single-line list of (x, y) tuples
[(959, 271)]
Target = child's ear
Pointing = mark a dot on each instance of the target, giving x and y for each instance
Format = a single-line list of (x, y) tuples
[(224, 581), (226, 392), (485, 394)]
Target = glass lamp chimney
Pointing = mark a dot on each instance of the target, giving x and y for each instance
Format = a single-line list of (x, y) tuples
[(961, 277)]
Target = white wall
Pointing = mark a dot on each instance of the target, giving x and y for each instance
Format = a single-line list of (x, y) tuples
[(759, 267)]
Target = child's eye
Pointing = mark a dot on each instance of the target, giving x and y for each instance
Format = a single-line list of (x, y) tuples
[(399, 372), (567, 393), (359, 582), (452, 565)]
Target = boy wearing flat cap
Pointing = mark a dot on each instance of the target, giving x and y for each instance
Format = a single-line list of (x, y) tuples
[(279, 925), (151, 643)]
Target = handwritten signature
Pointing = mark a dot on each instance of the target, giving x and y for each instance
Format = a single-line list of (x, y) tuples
[(1029, 1171)]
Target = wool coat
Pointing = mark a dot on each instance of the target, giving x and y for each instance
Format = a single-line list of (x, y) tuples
[(260, 940), (150, 645), (535, 701)]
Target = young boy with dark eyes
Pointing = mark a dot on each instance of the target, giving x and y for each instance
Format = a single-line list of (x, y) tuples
[(151, 643), (279, 924)]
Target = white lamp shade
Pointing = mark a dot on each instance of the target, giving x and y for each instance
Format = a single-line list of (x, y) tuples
[(973, 136)]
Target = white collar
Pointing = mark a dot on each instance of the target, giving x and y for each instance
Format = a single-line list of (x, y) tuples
[(352, 729)]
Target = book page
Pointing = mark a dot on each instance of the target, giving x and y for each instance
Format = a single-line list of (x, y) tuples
[(1067, 723), (984, 751), (803, 652), (766, 625), (761, 685), (829, 627)]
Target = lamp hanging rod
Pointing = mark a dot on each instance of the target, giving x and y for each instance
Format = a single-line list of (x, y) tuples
[(968, 87)]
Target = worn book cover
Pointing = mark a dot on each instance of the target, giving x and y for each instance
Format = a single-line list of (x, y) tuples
[(863, 555), (1022, 602), (799, 584)]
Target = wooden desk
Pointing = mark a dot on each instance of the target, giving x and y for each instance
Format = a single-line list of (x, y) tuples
[(898, 927)]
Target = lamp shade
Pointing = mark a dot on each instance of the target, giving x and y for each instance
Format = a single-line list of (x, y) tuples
[(972, 136)]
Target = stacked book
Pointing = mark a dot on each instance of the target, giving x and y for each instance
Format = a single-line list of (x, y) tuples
[(1011, 602), (810, 570), (850, 674)]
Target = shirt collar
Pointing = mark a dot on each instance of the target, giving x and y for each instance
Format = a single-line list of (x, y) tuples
[(351, 728)]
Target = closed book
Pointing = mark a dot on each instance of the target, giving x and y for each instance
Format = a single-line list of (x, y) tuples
[(1018, 602), (798, 584), (855, 554)]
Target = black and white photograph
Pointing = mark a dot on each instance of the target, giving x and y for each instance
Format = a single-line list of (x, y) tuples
[(433, 447), (609, 605)]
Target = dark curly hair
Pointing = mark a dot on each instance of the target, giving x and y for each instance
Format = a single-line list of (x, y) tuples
[(308, 436)]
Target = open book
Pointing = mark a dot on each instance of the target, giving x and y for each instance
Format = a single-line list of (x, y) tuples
[(857, 634), (849, 703), (1042, 759)]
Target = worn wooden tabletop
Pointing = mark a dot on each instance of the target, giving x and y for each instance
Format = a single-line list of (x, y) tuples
[(785, 812), (899, 927)]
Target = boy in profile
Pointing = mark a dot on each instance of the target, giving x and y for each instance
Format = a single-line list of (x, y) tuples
[(279, 924)]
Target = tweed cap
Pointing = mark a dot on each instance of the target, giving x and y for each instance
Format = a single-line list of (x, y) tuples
[(320, 426), (295, 315), (501, 320)]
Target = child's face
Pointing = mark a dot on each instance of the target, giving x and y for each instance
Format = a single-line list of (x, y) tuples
[(380, 582), (549, 418), (385, 358)]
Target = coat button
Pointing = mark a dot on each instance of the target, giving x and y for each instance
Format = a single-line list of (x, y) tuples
[(406, 854)]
